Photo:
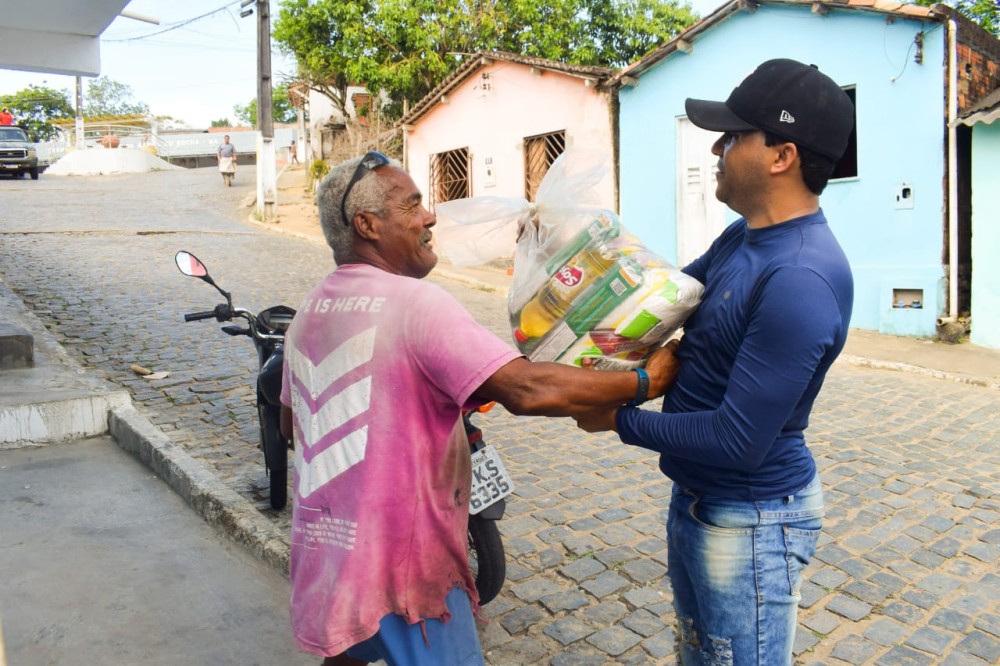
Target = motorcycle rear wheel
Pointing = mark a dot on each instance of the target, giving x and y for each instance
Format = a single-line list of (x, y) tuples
[(486, 557)]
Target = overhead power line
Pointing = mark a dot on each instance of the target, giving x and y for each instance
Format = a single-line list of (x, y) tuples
[(175, 26)]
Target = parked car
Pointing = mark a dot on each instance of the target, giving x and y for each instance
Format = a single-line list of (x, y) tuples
[(17, 154)]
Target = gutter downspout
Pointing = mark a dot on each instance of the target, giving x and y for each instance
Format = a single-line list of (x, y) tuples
[(952, 171)]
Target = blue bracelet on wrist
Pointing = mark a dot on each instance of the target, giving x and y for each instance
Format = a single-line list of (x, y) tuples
[(642, 390)]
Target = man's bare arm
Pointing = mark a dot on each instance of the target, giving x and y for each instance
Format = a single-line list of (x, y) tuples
[(554, 389)]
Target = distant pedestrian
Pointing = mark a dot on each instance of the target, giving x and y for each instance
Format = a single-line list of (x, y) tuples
[(293, 154), (227, 160), (6, 118)]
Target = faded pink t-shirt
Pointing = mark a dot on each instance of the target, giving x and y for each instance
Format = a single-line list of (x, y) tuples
[(377, 369)]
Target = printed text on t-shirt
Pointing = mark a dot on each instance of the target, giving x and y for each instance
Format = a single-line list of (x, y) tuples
[(345, 304)]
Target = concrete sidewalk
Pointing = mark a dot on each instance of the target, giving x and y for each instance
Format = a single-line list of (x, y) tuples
[(104, 560), (103, 563)]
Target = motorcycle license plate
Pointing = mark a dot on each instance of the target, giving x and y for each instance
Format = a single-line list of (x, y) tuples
[(490, 480)]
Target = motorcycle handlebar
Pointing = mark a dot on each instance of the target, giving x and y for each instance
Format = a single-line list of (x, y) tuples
[(195, 316)]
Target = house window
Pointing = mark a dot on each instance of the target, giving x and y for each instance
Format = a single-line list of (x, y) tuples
[(539, 154), (847, 167), (450, 176)]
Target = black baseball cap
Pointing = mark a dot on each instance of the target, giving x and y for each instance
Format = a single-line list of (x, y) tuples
[(794, 101)]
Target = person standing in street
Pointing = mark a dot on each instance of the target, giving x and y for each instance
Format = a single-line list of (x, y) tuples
[(293, 153), (747, 505), (227, 160), (6, 118), (379, 365)]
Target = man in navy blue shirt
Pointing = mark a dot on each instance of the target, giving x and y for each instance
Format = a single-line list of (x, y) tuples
[(747, 506)]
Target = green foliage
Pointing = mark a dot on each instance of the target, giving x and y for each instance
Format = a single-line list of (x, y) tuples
[(318, 169), (222, 122), (984, 12), (33, 108), (281, 108), (107, 97), (406, 47)]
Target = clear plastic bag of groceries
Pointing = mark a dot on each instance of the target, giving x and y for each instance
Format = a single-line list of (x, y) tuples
[(583, 286)]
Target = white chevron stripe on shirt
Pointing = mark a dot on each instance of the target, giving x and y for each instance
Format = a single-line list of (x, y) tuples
[(352, 353), (335, 460), (335, 411), (338, 410)]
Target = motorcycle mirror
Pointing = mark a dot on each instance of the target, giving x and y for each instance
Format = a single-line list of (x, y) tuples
[(190, 265)]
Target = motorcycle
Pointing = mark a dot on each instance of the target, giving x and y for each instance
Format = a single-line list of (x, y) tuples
[(491, 483), (267, 330)]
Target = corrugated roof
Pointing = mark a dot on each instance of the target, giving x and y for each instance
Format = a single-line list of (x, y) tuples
[(486, 58), (985, 110), (685, 40)]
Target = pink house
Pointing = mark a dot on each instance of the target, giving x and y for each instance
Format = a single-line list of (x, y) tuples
[(495, 125)]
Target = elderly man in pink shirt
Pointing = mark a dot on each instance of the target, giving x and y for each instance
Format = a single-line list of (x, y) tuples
[(379, 365)]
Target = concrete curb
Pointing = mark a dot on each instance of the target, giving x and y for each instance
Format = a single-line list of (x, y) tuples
[(58, 420), (54, 399), (203, 491), (865, 362)]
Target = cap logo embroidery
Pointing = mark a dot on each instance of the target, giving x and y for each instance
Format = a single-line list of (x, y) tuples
[(786, 117)]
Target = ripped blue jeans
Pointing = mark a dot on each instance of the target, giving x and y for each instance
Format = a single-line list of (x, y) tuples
[(735, 567)]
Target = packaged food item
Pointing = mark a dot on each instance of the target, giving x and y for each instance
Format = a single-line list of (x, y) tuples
[(631, 302), (583, 286), (589, 259)]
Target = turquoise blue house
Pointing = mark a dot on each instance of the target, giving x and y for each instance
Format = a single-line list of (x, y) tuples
[(901, 201), (984, 119)]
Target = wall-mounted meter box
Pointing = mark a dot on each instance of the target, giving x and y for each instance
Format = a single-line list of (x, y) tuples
[(904, 197)]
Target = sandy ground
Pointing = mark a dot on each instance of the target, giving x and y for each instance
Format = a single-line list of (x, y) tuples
[(297, 210)]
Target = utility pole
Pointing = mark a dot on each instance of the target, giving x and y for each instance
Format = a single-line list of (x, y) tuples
[(267, 180), (79, 113)]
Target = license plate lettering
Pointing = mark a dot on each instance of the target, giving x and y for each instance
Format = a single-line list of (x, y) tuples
[(490, 480)]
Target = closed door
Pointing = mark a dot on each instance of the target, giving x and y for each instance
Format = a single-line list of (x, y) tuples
[(700, 216)]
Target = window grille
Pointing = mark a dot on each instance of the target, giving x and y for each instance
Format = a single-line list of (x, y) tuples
[(449, 176), (539, 154)]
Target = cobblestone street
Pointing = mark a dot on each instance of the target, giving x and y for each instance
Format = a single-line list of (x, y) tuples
[(906, 572)]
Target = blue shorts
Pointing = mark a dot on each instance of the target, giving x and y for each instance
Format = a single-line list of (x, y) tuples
[(451, 643)]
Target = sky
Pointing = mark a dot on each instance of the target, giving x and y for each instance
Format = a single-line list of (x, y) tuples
[(195, 72)]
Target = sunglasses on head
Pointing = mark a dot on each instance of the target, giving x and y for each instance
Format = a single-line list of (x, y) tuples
[(371, 161)]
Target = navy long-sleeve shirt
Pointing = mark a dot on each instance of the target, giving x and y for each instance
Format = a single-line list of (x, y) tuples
[(774, 316)]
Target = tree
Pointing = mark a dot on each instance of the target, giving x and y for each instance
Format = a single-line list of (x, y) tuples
[(406, 47), (222, 122), (107, 97), (33, 108), (984, 12), (281, 108)]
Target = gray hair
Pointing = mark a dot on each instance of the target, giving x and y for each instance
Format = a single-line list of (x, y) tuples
[(368, 195)]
